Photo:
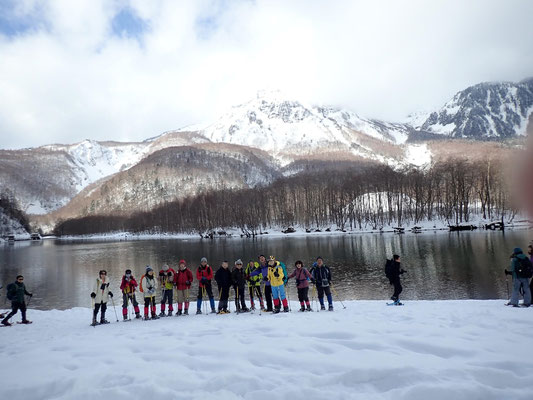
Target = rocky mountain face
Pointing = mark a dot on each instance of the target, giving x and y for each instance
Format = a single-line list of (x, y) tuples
[(484, 111)]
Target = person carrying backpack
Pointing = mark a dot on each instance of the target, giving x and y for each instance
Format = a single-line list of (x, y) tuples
[(183, 283), (521, 270), (393, 270), (15, 293), (128, 286), (204, 274), (277, 279), (166, 280), (262, 270), (99, 294), (322, 280), (302, 276), (149, 287), (254, 283), (239, 280), (224, 282)]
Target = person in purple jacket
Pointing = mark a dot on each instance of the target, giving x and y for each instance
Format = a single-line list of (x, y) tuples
[(302, 276), (263, 269)]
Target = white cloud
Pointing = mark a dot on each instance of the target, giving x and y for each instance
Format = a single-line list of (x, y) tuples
[(73, 79)]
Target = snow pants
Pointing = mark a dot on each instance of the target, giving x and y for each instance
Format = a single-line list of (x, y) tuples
[(268, 297), (303, 295), (321, 290), (167, 297), (15, 306), (397, 289), (224, 296), (209, 290), (278, 294), (255, 290), (126, 298), (149, 304), (183, 297), (102, 307), (239, 297), (524, 284)]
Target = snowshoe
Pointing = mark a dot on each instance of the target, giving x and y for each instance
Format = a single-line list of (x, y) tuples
[(146, 318), (104, 321), (186, 312), (252, 308), (125, 317), (220, 312), (95, 322), (302, 309), (162, 314), (285, 309), (276, 311), (155, 317), (322, 307), (25, 322), (178, 313), (309, 308), (245, 309), (330, 308), (396, 303), (138, 316), (198, 312), (6, 323), (213, 311)]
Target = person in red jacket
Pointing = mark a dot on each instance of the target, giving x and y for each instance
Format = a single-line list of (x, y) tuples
[(166, 280), (204, 274), (128, 286), (183, 282)]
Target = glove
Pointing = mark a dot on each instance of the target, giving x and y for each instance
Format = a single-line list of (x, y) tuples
[(151, 291), (93, 295), (161, 273), (102, 287), (110, 294), (169, 273), (188, 283), (31, 295), (508, 272), (276, 274), (313, 281), (403, 271), (204, 280)]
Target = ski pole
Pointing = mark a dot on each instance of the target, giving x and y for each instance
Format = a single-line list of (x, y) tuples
[(113, 301), (204, 301), (317, 299), (92, 312), (237, 308), (29, 301), (507, 286), (336, 294), (288, 298)]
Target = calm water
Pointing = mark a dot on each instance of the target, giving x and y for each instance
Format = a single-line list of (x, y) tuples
[(441, 265)]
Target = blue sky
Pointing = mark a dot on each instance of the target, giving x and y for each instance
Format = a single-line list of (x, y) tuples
[(130, 69)]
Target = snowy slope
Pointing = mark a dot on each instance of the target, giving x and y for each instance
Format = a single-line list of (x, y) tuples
[(487, 110), (424, 350)]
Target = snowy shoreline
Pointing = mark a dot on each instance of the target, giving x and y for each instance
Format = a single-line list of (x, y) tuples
[(458, 349)]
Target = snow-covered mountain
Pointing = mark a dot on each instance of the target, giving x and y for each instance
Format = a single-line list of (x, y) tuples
[(485, 111)]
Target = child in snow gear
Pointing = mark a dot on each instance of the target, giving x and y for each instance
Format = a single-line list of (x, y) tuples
[(204, 274), (224, 282), (302, 276), (263, 271), (149, 287), (99, 294), (239, 280), (393, 270), (166, 280), (183, 283), (277, 278), (254, 283), (322, 280), (521, 270), (15, 293), (128, 286)]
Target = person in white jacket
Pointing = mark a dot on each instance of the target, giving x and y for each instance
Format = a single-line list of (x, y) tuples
[(99, 294), (148, 287)]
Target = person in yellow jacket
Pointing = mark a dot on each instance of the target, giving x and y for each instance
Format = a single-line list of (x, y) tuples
[(275, 277)]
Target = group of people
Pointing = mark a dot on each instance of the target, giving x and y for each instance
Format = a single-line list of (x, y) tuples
[(264, 281)]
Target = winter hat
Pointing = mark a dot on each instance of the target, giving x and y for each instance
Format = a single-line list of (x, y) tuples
[(203, 260), (261, 255), (102, 271), (148, 269), (185, 263), (238, 262), (165, 267), (319, 258), (128, 272), (517, 250)]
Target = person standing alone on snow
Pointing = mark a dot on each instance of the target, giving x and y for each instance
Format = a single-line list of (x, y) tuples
[(302, 276), (15, 293), (183, 284), (148, 287), (99, 294), (521, 269), (393, 270), (204, 274), (128, 286), (322, 280), (166, 280)]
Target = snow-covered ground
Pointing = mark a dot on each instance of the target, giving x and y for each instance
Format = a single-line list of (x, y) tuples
[(426, 349)]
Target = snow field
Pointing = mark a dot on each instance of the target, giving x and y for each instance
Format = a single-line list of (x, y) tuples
[(425, 349)]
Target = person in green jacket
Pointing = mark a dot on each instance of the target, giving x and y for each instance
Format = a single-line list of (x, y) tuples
[(15, 293), (254, 283)]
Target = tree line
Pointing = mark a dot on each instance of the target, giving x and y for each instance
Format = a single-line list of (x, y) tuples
[(10, 210), (363, 197)]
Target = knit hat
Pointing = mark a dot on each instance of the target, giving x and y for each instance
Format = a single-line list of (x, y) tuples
[(517, 250), (165, 267), (203, 260), (184, 263), (148, 269), (128, 271), (238, 262)]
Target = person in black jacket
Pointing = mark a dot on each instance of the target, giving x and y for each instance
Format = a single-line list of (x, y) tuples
[(322, 280), (394, 270), (16, 292), (224, 282), (239, 281)]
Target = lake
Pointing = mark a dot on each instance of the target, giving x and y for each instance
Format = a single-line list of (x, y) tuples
[(440, 265)]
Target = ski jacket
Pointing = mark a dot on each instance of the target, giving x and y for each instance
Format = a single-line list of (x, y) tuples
[(166, 279), (16, 291), (101, 288), (302, 276), (238, 277), (263, 270), (204, 272), (254, 280), (273, 279), (322, 275), (128, 285), (514, 263), (148, 285), (223, 278), (181, 279), (395, 271)]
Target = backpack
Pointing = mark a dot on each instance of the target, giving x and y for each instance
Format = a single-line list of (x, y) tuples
[(11, 292), (388, 269), (524, 268), (141, 284)]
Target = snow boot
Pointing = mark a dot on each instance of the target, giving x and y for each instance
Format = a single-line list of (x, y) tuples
[(154, 316), (25, 321), (104, 321), (125, 316), (169, 314), (6, 323), (186, 312), (198, 312), (94, 323), (286, 309), (146, 318), (138, 315), (322, 307), (302, 309), (330, 308), (162, 314), (178, 313), (245, 309), (309, 308), (213, 311)]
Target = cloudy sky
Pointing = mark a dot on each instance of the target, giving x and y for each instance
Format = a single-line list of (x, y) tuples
[(131, 69)]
